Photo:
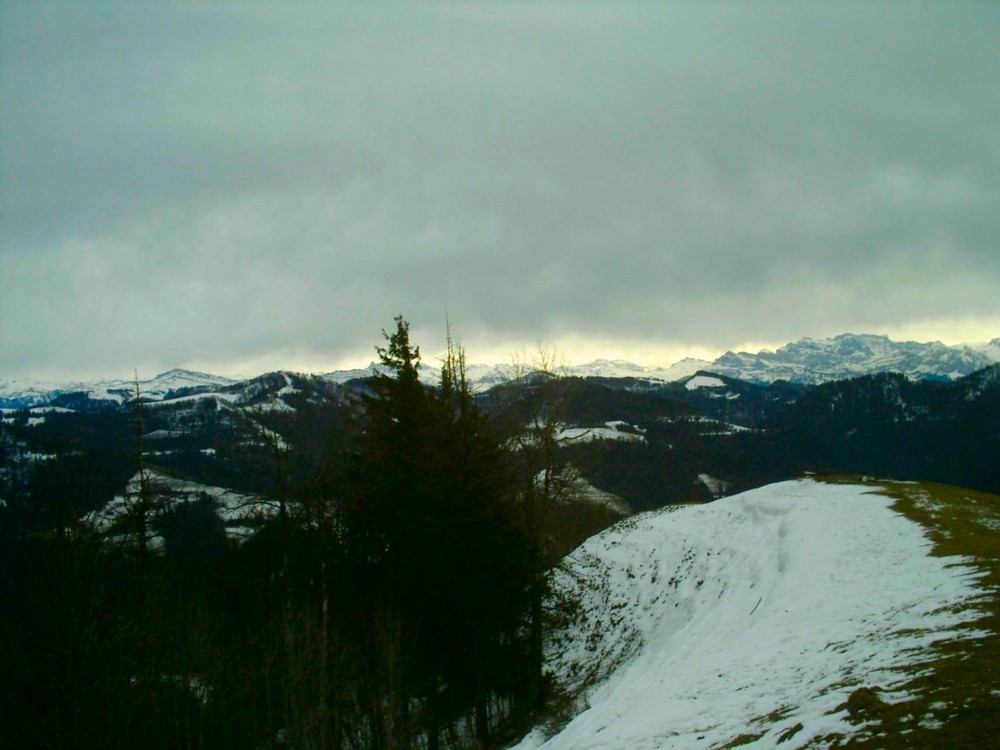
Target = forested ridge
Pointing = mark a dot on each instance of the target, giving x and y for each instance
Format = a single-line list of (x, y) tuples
[(393, 600)]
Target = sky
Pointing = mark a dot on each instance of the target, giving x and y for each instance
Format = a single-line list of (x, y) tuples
[(246, 186)]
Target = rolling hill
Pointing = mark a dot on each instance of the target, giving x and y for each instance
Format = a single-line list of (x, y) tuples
[(800, 614)]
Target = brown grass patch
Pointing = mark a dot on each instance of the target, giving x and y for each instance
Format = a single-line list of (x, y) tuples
[(954, 692)]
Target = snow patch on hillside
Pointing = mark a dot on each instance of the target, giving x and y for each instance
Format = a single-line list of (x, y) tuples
[(614, 430), (579, 489), (703, 381), (747, 616), (240, 513), (714, 485)]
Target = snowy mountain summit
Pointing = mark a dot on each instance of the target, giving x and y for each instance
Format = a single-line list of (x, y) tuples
[(991, 350), (749, 621)]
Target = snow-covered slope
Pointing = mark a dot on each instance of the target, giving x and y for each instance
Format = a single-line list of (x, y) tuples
[(753, 617), (991, 350), (613, 430), (703, 381)]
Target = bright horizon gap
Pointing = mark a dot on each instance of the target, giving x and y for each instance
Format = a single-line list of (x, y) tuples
[(568, 351), (565, 355), (577, 350), (482, 348)]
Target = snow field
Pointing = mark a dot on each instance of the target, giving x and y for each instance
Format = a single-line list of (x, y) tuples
[(611, 431), (704, 381), (748, 616), (239, 512)]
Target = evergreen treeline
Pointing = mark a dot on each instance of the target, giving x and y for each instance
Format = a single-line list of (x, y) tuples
[(393, 602), (890, 426)]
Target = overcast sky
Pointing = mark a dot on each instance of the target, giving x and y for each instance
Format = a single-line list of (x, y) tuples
[(239, 187)]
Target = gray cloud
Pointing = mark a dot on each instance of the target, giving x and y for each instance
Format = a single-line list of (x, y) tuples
[(184, 182)]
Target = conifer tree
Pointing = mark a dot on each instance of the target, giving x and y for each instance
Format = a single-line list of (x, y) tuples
[(433, 525)]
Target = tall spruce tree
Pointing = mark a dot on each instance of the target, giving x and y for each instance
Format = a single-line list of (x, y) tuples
[(434, 527)]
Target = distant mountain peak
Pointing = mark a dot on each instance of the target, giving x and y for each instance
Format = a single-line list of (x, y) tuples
[(991, 350), (182, 372)]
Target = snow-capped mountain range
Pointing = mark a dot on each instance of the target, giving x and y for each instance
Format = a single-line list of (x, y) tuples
[(849, 355), (26, 393), (483, 377), (809, 361)]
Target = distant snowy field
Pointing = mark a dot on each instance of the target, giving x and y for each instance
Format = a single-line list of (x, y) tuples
[(748, 616)]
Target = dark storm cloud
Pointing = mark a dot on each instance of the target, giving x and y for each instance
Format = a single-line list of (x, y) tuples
[(183, 181)]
